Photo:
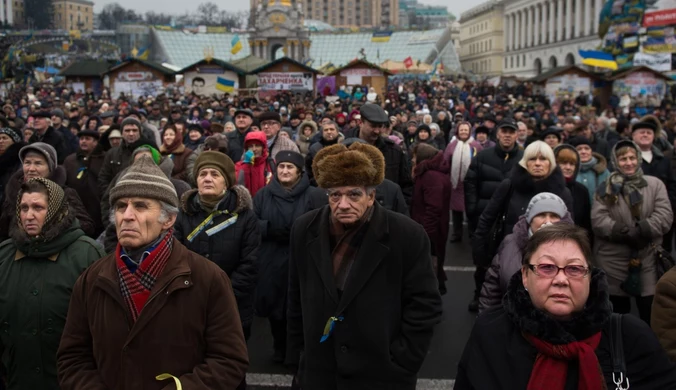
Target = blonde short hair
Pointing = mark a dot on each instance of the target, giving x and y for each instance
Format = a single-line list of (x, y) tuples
[(539, 148)]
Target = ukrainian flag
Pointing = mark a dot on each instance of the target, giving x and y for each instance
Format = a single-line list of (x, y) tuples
[(381, 36), (225, 85), (236, 44), (143, 54), (598, 59)]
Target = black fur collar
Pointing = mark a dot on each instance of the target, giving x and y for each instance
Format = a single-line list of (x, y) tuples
[(523, 182), (528, 319)]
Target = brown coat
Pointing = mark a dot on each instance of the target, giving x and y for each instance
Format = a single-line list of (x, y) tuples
[(189, 328), (663, 320), (613, 257), (180, 158)]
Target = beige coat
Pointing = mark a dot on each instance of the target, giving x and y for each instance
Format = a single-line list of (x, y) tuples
[(614, 257), (663, 320)]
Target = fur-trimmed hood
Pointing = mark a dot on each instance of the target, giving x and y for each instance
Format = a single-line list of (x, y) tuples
[(601, 165), (593, 318), (237, 199)]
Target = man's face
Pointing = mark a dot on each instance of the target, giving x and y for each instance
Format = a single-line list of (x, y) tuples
[(130, 134), (522, 133), (197, 86), (33, 212), (481, 137), (243, 121), (88, 143), (644, 138), (107, 121), (40, 124), (114, 142), (412, 129), (506, 137), (348, 204), (295, 122), (329, 132), (138, 222), (56, 120), (271, 128), (370, 132), (568, 128)]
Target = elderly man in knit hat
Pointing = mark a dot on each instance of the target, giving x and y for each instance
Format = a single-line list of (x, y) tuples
[(119, 157), (363, 297), (271, 123), (152, 310)]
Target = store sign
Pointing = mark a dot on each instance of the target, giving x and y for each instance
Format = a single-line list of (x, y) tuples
[(363, 72), (134, 76), (640, 83), (660, 62), (285, 81), (663, 15), (569, 85)]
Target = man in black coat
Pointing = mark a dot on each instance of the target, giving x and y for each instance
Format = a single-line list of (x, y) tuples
[(374, 120), (46, 133), (243, 120), (486, 171), (655, 163), (70, 140), (330, 135), (363, 300)]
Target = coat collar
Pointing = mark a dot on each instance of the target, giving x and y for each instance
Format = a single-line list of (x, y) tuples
[(369, 256), (20, 255)]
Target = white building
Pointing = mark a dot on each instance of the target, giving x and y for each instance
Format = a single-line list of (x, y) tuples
[(7, 11), (543, 34)]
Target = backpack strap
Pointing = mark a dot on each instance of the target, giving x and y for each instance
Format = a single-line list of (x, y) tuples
[(617, 353)]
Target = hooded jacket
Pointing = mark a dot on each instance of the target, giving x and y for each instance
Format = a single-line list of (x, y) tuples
[(304, 142), (234, 249), (592, 177), (255, 174)]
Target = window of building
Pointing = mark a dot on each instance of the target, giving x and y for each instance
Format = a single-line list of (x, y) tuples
[(506, 67), (489, 64), (490, 44), (523, 61), (517, 61), (70, 6)]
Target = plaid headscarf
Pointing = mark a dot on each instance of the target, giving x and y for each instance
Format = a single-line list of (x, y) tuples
[(136, 287), (346, 244), (55, 199)]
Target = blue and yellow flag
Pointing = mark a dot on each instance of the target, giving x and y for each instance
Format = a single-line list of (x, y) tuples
[(598, 59), (236, 44), (225, 85), (143, 54), (381, 36)]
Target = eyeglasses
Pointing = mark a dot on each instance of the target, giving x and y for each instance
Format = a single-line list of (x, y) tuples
[(550, 270), (353, 195)]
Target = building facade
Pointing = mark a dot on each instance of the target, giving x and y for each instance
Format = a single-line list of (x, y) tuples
[(481, 39), (545, 34), (7, 11), (73, 15), (345, 13)]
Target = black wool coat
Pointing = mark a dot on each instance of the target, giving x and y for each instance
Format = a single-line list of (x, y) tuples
[(234, 249), (9, 164), (390, 196), (486, 171), (277, 209), (389, 307), (55, 139), (513, 195), (498, 357)]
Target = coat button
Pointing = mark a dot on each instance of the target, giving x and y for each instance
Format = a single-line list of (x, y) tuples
[(35, 332), (35, 292), (50, 330), (50, 321), (37, 369), (186, 283), (207, 255), (343, 349)]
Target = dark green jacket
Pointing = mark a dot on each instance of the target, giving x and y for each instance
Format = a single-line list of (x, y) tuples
[(35, 286)]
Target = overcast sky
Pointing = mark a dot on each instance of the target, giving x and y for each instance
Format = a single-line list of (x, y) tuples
[(181, 6)]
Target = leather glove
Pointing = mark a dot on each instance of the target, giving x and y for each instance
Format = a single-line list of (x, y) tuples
[(635, 238), (619, 233)]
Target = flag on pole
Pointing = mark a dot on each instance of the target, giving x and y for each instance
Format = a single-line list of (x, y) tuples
[(408, 62), (236, 44), (598, 59), (225, 85)]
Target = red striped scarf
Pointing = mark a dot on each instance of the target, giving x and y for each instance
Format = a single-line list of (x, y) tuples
[(136, 287)]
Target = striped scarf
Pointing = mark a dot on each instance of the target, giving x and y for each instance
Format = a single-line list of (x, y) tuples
[(136, 286)]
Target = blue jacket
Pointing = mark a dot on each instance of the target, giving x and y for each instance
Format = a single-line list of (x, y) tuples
[(593, 176)]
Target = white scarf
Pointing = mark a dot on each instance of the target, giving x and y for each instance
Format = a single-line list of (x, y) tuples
[(460, 161)]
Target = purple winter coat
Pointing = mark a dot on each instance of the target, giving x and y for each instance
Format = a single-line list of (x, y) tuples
[(506, 263), (430, 202), (458, 193)]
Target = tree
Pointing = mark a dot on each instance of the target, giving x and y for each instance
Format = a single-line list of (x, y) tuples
[(157, 18), (39, 13), (207, 13), (112, 15)]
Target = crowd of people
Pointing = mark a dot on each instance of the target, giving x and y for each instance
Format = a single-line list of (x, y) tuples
[(140, 237)]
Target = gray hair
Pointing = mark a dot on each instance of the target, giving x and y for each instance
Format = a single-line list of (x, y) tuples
[(166, 212), (329, 122), (605, 121), (538, 148)]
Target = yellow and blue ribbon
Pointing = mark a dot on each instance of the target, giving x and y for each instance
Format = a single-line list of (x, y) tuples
[(207, 221), (162, 377), (223, 225), (328, 328), (80, 172)]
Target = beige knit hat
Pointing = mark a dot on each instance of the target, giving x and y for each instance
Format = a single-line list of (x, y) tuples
[(144, 179)]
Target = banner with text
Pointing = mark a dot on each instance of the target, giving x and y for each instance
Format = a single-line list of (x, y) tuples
[(660, 62), (660, 13), (285, 81)]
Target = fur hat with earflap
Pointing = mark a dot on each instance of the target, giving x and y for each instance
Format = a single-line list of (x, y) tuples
[(339, 166)]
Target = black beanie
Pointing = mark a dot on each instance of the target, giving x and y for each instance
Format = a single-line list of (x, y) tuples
[(292, 157)]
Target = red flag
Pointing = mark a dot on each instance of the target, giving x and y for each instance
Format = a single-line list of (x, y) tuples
[(408, 62)]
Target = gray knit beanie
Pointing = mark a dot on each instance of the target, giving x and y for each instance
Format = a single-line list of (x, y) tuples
[(144, 179), (46, 150), (131, 121), (545, 202)]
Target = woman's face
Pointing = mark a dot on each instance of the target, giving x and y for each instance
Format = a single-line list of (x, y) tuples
[(35, 165), (33, 212), (27, 134), (538, 167), (194, 135), (552, 140), (92, 125), (543, 219), (463, 132), (561, 295), (169, 137), (255, 128), (5, 142), (256, 148), (307, 131), (567, 168), (210, 182), (585, 152), (423, 135), (628, 163)]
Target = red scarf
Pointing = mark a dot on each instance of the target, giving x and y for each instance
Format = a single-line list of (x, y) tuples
[(551, 364), (136, 287)]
